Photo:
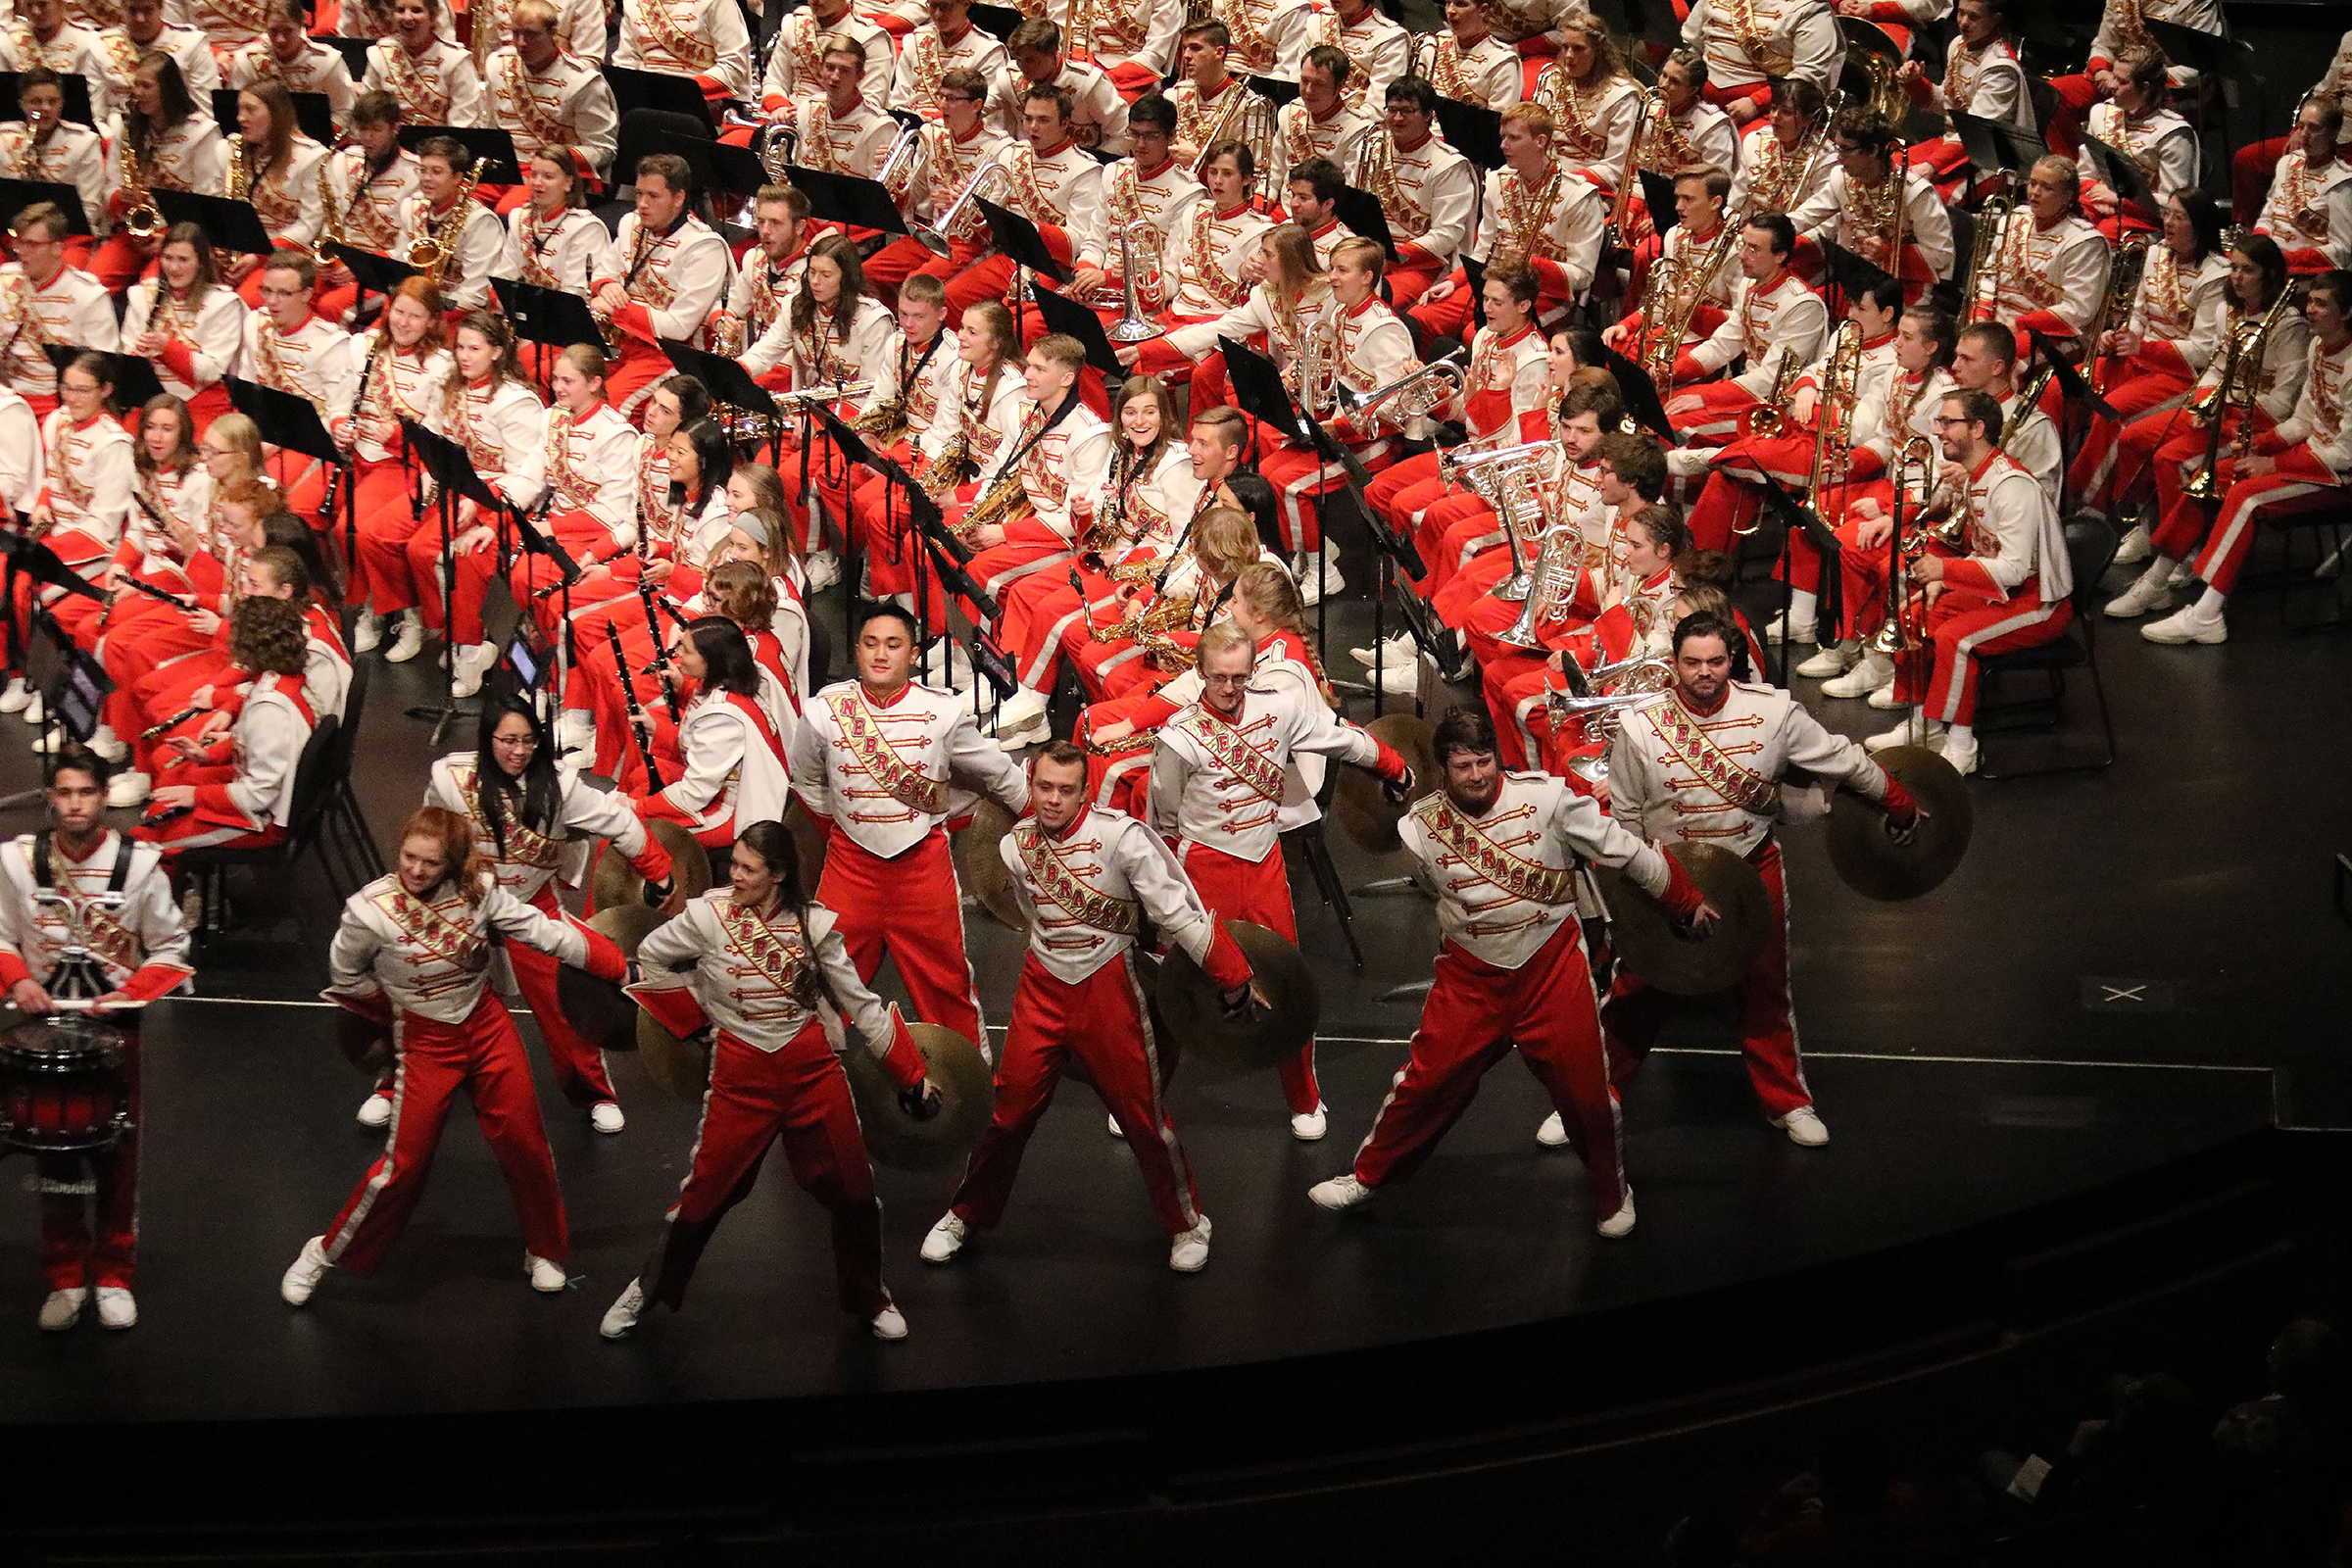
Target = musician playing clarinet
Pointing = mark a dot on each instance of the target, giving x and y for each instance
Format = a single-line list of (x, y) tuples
[(70, 875)]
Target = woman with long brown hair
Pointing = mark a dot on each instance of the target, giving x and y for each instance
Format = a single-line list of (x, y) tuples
[(273, 166), (413, 954), (241, 793), (173, 146), (1275, 318), (401, 377), (592, 507), (187, 322)]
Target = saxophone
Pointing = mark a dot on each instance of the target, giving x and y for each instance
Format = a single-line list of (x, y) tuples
[(430, 253), (140, 219), (239, 183), (1005, 501)]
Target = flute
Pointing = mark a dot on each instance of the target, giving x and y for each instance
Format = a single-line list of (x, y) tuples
[(637, 726)]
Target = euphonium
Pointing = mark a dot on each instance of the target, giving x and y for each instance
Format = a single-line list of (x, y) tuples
[(1560, 573), (140, 219), (1412, 396), (1916, 456), (934, 235), (1246, 117), (1132, 326)]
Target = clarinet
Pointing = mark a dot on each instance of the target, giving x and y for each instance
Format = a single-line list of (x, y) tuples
[(359, 406), (660, 662), (158, 731), (644, 742)]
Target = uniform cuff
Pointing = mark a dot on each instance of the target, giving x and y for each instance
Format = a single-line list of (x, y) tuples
[(674, 1005), (1901, 809), (152, 981), (1226, 964), (372, 1005), (903, 1060), (1682, 897)]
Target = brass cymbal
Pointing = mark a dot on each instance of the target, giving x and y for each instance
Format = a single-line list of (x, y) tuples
[(980, 862), (365, 1044), (965, 1085), (1875, 866), (809, 837), (1649, 944), (681, 1067), (1195, 1020), (617, 883), (1358, 804), (604, 1014)]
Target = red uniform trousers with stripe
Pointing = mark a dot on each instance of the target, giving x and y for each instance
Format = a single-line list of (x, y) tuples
[(1476, 1013), (579, 1066), (909, 907), (1259, 892), (1636, 1011), (1454, 530), (2155, 381), (989, 275), (2299, 484), (1732, 498), (902, 259), (1722, 408), (381, 577), (1030, 548), (461, 611), (432, 1062), (1301, 479), (632, 380), (94, 1238), (1104, 1022), (797, 1096), (584, 539), (1964, 627)]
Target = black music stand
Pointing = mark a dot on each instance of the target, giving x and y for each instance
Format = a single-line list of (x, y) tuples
[(730, 383), (1061, 314), (1360, 211), (657, 91), (997, 22), (355, 51), (2071, 384), (1474, 278), (445, 462), (1848, 274), (18, 194), (1997, 148), (717, 166), (73, 84), (547, 319), (1639, 394), (313, 116), (1018, 238), (292, 423), (73, 696), (134, 378), (1658, 194), (1798, 516), (847, 200), (1472, 129), (493, 149), (372, 273), (2121, 173), (231, 225), (1275, 90)]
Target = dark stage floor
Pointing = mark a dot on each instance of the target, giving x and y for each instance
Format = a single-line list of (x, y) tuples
[(2133, 964)]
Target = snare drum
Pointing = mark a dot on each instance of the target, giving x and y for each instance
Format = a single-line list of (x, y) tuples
[(62, 1084)]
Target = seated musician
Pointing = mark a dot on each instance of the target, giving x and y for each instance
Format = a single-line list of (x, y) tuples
[(290, 348), (1785, 165), (1377, 47), (1203, 266), (1428, 191), (733, 759), (2006, 590), (2309, 208), (551, 96), (957, 146), (175, 144), (1327, 120), (1095, 114), (796, 79), (1056, 183), (87, 483), (1359, 342), (2296, 469), (1595, 108), (591, 506), (1859, 208), (765, 281), (443, 219), (287, 57), (367, 186), (242, 792), (1750, 47), (1537, 211), (841, 131), (1692, 135), (1208, 99), (1147, 198), (1700, 198), (663, 272), (1983, 76), (552, 240), (704, 39), (2138, 125), (1776, 327), (1471, 64), (947, 42), (406, 367), (2122, 27), (914, 381), (188, 324), (433, 77)]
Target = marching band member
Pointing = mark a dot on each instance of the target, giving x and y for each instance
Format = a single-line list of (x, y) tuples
[(1777, 326), (1149, 200), (1428, 191), (2123, 28), (577, 27), (1673, 779), (525, 806), (1199, 94), (1313, 200), (2298, 468), (444, 218), (1595, 109), (873, 760), (1786, 164), (166, 544), (290, 348), (660, 278), (413, 952), (957, 146), (947, 42), (2138, 125), (1377, 47), (1986, 360), (796, 63), (86, 495), (1502, 852), (402, 370), (1696, 134), (732, 772), (1857, 210), (1088, 877), (173, 146), (1056, 184), (1535, 212), (2151, 360), (766, 967), (1210, 255), (916, 382), (46, 148), (547, 97), (591, 504), (772, 268), (1326, 120), (1147, 647), (1983, 76), (840, 132), (1470, 65), (832, 331), (285, 57), (116, 52), (46, 37), (44, 300), (1747, 43), (1218, 771), (275, 167), (2309, 208), (188, 322), (704, 39), (367, 183), (978, 415), (1095, 114), (432, 79), (1701, 203), (552, 240), (241, 793), (141, 948), (489, 408), (1356, 341)]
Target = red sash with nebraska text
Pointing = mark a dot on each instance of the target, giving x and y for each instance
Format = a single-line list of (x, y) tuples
[(909, 786), (1743, 787), (1229, 749), (1058, 882), (1514, 874), (777, 954), (429, 929)]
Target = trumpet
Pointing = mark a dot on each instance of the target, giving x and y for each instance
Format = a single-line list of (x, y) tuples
[(1417, 394), (934, 235)]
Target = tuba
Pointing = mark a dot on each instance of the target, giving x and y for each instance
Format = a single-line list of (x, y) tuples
[(1248, 118)]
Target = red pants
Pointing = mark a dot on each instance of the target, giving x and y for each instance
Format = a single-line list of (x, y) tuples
[(633, 379), (1636, 1012), (95, 1241), (2150, 454), (909, 907), (431, 1062), (1719, 417), (583, 539), (1104, 1022), (579, 1066), (1965, 626), (1734, 495), (2250, 171), (991, 277), (1235, 889), (2155, 383), (461, 611), (379, 568), (1030, 548), (2300, 484), (1301, 479), (799, 1095), (1475, 1015)]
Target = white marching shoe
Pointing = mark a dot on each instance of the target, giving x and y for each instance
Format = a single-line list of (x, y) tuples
[(473, 665), (2150, 590), (105, 743), (1115, 1130), (308, 1270), (1340, 1192), (2188, 625), (1912, 731), (376, 1111), (34, 711), (2134, 547), (823, 567), (620, 1318), (1390, 650), (1803, 1125), (1803, 633), (606, 1117), (545, 1274), (1870, 672), (12, 699), (1620, 1223), (1401, 677), (366, 632), (115, 1309), (1188, 1253), (1310, 1126), (946, 1238), (129, 789), (63, 1309), (408, 639), (1318, 578), (1960, 753), (888, 1324), (1554, 1133), (1833, 659), (1022, 720)]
